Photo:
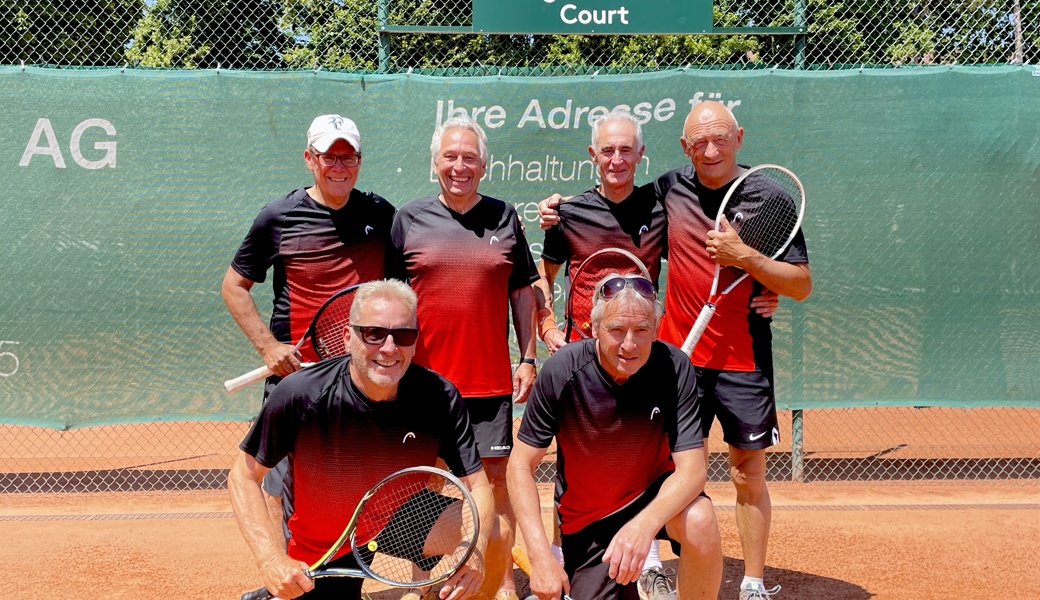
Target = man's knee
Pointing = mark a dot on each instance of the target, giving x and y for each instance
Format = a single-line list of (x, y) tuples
[(747, 469), (696, 528)]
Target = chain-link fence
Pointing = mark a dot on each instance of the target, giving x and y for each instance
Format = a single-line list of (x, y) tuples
[(855, 444), (436, 36)]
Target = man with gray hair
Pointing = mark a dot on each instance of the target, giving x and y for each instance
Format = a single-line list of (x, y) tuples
[(624, 413), (467, 259), (315, 241), (340, 423)]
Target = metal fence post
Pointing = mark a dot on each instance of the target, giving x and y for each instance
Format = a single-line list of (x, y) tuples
[(797, 447), (383, 15), (799, 39)]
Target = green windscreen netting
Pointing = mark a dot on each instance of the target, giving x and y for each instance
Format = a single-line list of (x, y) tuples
[(123, 197)]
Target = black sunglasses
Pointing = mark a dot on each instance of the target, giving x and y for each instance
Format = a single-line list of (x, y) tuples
[(613, 286), (378, 335)]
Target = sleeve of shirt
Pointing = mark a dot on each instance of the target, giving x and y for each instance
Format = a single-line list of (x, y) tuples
[(273, 435), (541, 422), (524, 270), (395, 265), (688, 433), (259, 248), (796, 253), (555, 248), (458, 446)]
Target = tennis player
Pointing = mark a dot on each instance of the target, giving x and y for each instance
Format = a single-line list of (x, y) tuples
[(317, 240), (467, 259), (623, 409), (344, 425), (734, 358)]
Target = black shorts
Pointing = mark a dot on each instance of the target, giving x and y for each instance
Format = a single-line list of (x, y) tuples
[(492, 422), (744, 404), (583, 552)]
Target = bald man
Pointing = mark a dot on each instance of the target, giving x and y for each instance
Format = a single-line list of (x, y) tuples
[(734, 359)]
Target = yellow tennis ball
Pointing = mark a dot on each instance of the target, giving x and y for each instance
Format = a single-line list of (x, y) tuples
[(372, 546)]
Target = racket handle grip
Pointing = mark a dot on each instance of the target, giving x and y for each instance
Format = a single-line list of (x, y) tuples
[(260, 594), (698, 328), (246, 380), (521, 560)]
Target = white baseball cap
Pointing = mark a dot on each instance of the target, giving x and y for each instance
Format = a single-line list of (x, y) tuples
[(326, 129)]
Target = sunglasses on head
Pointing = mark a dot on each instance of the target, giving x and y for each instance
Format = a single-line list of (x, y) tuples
[(613, 286), (378, 335)]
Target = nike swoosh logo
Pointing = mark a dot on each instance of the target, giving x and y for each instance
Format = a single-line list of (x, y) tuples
[(754, 436)]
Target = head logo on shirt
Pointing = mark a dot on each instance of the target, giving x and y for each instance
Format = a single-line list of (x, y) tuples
[(494, 240), (654, 413), (408, 436), (643, 229), (368, 229)]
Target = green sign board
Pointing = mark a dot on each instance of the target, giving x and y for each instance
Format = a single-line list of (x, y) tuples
[(593, 16)]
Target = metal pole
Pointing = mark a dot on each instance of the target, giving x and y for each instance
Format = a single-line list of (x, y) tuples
[(1019, 42), (799, 39), (797, 447), (383, 15)]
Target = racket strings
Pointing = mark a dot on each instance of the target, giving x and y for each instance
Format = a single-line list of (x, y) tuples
[(415, 529), (328, 328), (765, 213)]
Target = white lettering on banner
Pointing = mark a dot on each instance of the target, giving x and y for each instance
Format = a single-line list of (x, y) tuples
[(569, 116), (570, 15), (494, 116), (45, 129)]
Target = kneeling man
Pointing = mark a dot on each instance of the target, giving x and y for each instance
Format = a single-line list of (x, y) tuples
[(630, 462)]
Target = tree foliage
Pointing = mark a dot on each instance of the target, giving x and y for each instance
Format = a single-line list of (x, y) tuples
[(82, 33)]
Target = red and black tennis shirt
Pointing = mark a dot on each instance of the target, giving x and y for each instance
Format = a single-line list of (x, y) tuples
[(613, 440), (315, 252), (737, 339), (340, 443), (463, 268)]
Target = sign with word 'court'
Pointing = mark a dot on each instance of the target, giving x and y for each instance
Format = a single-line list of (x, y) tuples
[(593, 16)]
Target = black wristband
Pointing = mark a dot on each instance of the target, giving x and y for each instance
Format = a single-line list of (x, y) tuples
[(527, 361)]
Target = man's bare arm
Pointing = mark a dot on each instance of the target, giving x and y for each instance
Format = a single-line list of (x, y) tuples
[(277, 356)]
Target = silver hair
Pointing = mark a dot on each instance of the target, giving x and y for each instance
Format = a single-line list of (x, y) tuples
[(390, 289), (459, 122), (617, 115), (627, 296)]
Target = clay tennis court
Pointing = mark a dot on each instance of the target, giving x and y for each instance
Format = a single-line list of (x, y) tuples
[(830, 540)]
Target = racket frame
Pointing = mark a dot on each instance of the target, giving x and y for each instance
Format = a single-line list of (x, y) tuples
[(260, 373), (316, 570), (708, 311), (636, 264)]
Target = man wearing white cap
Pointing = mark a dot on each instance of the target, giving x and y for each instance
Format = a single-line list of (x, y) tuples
[(318, 240)]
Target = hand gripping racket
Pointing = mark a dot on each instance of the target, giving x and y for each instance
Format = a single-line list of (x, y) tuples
[(582, 294), (325, 333), (521, 560), (765, 206), (413, 529)]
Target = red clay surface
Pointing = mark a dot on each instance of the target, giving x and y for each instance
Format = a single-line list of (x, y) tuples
[(829, 541)]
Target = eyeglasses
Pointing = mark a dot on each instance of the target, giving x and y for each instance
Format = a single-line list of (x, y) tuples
[(329, 160), (613, 286), (378, 335)]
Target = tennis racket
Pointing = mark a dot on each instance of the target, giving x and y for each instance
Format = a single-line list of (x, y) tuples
[(765, 206), (582, 294), (520, 559), (325, 333), (413, 529)]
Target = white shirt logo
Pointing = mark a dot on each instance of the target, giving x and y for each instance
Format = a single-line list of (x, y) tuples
[(368, 229), (643, 229), (654, 413), (494, 240), (408, 436)]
